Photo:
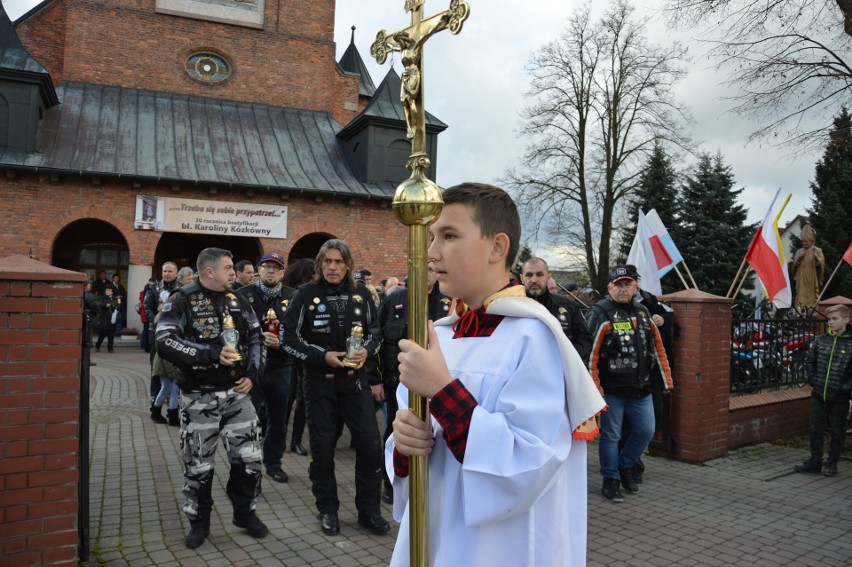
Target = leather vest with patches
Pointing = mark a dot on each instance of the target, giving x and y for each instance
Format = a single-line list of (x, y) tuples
[(206, 315), (329, 316), (627, 350)]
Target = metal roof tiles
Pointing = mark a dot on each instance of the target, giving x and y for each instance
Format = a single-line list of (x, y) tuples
[(117, 131)]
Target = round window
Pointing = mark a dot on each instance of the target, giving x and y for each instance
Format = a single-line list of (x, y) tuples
[(208, 67)]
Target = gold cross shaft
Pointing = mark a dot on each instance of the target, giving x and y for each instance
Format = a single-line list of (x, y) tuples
[(417, 203)]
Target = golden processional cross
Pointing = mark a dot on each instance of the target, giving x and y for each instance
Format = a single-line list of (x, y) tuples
[(417, 203)]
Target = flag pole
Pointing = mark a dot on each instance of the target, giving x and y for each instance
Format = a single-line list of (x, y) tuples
[(688, 273), (563, 288), (736, 277), (685, 286), (742, 281), (831, 277)]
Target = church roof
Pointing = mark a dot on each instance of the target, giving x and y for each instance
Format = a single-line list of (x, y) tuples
[(114, 131), (351, 62), (13, 56), (385, 106), (16, 64)]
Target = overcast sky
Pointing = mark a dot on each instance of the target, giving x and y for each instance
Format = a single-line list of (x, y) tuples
[(475, 82)]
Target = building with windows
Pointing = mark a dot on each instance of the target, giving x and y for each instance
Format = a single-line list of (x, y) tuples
[(133, 132)]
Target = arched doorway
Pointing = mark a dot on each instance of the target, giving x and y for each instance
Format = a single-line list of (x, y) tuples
[(182, 248), (308, 246), (89, 246)]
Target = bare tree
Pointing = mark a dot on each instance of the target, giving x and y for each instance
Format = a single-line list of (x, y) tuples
[(789, 61), (602, 98)]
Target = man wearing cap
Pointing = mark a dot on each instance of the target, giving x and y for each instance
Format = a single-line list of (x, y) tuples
[(272, 396), (535, 276), (625, 349)]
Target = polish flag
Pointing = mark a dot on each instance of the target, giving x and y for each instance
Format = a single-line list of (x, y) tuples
[(662, 238), (766, 256), (648, 254)]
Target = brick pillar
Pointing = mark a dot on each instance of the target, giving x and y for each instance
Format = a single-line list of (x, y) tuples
[(700, 402), (40, 355)]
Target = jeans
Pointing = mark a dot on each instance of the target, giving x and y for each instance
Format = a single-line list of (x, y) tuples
[(168, 388), (640, 412), (271, 398), (835, 414)]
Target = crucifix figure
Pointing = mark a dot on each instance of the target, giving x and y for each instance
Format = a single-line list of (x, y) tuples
[(409, 42)]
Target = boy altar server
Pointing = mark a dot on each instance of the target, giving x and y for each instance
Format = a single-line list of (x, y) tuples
[(511, 406)]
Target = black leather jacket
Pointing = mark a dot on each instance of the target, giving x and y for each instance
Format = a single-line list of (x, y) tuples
[(573, 324), (320, 319), (393, 320), (188, 336)]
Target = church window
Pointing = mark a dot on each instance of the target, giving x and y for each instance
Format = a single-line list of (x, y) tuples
[(208, 67)]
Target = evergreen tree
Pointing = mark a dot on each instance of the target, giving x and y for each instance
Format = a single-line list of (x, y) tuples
[(656, 189), (524, 255), (711, 232), (831, 214)]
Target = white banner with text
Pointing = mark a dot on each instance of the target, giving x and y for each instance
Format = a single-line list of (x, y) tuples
[(169, 214)]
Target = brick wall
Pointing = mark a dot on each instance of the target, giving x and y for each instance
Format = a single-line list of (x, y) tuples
[(700, 401), (36, 211), (290, 62), (705, 419), (769, 416), (40, 353), (44, 37)]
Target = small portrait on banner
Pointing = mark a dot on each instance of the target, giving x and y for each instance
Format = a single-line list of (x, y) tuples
[(149, 213)]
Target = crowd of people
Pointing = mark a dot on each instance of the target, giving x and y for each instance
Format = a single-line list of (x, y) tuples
[(293, 351), (292, 325), (516, 387)]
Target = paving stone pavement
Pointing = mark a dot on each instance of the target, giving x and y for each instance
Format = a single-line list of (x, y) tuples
[(747, 508)]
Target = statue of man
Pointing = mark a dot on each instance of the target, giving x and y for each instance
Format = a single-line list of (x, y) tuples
[(808, 269)]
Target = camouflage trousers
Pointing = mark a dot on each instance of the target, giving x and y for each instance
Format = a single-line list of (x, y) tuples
[(205, 418)]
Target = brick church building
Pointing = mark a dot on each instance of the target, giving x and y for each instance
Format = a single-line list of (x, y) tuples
[(138, 131)]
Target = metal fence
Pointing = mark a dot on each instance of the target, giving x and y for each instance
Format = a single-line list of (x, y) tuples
[(769, 354)]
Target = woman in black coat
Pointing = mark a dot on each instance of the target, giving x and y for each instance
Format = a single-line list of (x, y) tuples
[(106, 323)]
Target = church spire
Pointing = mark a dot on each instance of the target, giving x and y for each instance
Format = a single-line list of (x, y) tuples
[(351, 62)]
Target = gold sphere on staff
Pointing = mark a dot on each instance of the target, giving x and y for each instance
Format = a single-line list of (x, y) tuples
[(417, 201)]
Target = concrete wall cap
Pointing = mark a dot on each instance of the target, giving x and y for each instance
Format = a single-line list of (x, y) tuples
[(20, 267), (696, 296)]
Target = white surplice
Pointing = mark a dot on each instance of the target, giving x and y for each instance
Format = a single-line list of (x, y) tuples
[(519, 498)]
